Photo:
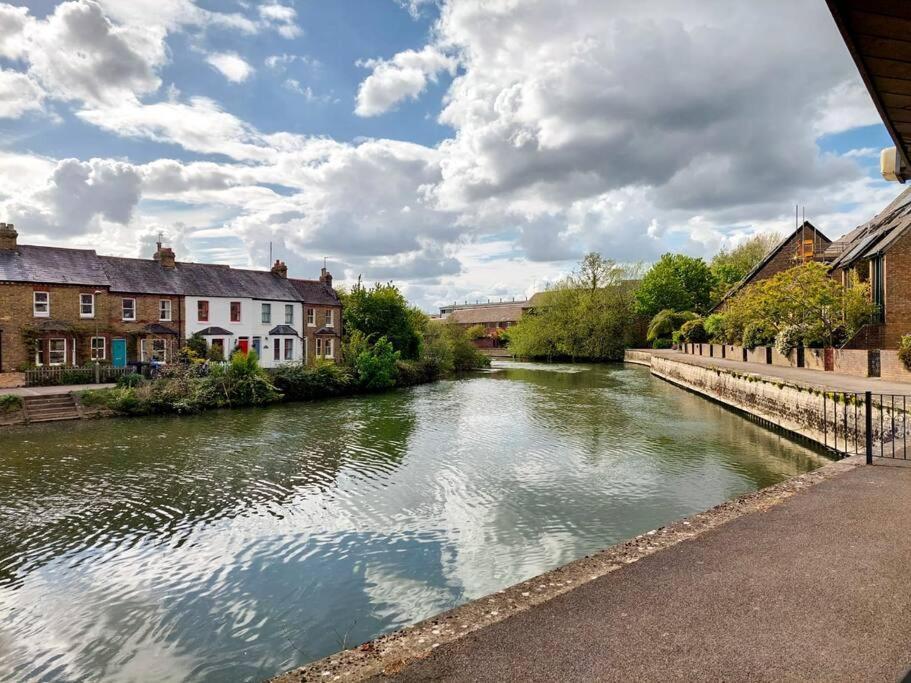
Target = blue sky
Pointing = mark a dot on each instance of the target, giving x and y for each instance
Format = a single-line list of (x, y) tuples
[(465, 150)]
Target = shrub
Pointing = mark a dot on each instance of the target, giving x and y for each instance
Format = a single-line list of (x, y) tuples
[(904, 351), (789, 339), (375, 367), (10, 403), (132, 379), (476, 332), (666, 322), (412, 372), (693, 331), (299, 382), (756, 334), (714, 328), (662, 343), (239, 383)]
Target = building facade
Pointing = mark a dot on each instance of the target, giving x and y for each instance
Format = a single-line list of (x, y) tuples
[(70, 307)]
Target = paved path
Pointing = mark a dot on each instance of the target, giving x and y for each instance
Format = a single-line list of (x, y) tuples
[(814, 588), (816, 378), (46, 391)]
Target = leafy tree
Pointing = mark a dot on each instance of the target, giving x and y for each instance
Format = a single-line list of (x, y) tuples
[(376, 366), (666, 322), (382, 311), (677, 282), (693, 331), (447, 346), (730, 266), (476, 332)]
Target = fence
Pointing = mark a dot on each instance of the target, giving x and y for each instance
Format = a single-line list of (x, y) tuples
[(875, 425), (43, 377)]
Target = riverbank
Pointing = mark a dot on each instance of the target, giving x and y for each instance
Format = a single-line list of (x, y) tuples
[(565, 625)]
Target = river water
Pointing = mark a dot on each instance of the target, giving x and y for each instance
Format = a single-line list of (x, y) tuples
[(233, 545)]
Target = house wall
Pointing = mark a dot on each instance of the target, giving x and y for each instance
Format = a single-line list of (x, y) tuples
[(110, 310), (320, 322), (897, 291), (249, 326)]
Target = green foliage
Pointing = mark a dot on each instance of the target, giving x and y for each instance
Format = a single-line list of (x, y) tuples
[(715, 328), (730, 266), (589, 315), (196, 345), (132, 379), (448, 348), (904, 351), (239, 383), (215, 353), (10, 403), (382, 311), (662, 343), (757, 334), (693, 331), (376, 367), (788, 339), (476, 332), (412, 372), (301, 382), (666, 322), (676, 282)]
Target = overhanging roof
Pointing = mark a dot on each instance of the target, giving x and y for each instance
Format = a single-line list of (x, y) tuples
[(878, 36)]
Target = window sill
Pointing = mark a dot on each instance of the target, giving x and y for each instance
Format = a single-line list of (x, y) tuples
[(86, 317), (41, 315)]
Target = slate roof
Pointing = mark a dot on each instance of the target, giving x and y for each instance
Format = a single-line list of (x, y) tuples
[(326, 332), (52, 265), (876, 235), (214, 332), (315, 292), (156, 328), (283, 331)]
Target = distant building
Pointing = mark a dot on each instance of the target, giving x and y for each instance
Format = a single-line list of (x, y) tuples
[(492, 316)]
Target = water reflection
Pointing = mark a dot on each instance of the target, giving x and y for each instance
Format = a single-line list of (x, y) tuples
[(232, 545)]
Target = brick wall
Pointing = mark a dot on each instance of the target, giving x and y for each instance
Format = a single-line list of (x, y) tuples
[(851, 362), (310, 331), (892, 368), (898, 291), (147, 308)]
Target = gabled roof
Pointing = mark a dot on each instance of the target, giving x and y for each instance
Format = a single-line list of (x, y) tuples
[(772, 253), (214, 332), (52, 265), (315, 292), (875, 236), (283, 331), (326, 332)]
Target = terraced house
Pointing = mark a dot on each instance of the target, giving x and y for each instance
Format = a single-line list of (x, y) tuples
[(69, 307)]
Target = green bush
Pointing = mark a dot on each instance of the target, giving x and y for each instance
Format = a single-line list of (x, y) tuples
[(756, 334), (132, 379), (662, 343), (476, 332), (714, 328), (693, 331), (666, 322), (10, 403), (239, 383), (904, 351), (412, 372), (299, 382), (789, 339), (375, 367)]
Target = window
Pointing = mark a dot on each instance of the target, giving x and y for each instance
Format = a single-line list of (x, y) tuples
[(330, 318), (289, 348), (235, 311), (164, 309), (328, 348), (129, 309), (159, 350), (86, 305), (56, 351), (202, 311), (276, 349), (267, 313), (311, 317), (98, 348), (40, 358), (319, 347), (289, 314), (41, 304)]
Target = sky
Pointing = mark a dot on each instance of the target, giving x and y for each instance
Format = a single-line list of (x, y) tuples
[(464, 149)]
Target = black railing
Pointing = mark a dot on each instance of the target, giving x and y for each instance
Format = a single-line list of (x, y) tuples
[(865, 423)]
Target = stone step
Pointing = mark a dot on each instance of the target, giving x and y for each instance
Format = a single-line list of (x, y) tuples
[(52, 409), (51, 402), (54, 418)]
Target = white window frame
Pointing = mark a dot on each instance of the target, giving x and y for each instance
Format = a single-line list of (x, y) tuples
[(104, 348), (165, 304), (289, 314), (288, 348), (328, 347), (319, 347), (311, 317), (265, 314), (330, 318), (50, 351), (46, 313), (148, 358), (123, 309), (91, 304)]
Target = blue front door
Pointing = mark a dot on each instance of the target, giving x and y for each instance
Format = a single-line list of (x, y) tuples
[(119, 353), (257, 346)]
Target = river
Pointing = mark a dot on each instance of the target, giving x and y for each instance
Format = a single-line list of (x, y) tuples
[(233, 545)]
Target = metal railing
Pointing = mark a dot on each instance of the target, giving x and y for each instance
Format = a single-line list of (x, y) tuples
[(866, 423)]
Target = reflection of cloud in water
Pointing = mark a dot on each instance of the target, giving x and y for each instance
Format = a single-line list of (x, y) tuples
[(537, 367)]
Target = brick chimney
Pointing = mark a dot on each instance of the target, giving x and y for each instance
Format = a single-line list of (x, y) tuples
[(325, 276), (165, 256), (280, 268), (8, 236)]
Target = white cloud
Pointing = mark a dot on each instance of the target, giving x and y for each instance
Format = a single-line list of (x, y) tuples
[(845, 106), (231, 66), (18, 94), (402, 77), (12, 28), (282, 18)]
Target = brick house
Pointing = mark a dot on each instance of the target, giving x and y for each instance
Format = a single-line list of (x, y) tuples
[(806, 243), (69, 307), (879, 252)]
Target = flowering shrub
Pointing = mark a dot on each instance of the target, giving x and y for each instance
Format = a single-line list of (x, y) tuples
[(788, 339)]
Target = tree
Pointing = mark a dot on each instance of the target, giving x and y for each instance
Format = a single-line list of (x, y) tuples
[(375, 366), (730, 266), (382, 311), (677, 282)]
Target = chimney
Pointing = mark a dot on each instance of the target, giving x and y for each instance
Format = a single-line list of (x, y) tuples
[(325, 276), (165, 256), (8, 236), (280, 268)]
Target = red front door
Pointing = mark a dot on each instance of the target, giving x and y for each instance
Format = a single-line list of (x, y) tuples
[(244, 345)]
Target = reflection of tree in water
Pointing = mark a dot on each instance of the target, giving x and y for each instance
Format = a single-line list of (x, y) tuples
[(165, 478)]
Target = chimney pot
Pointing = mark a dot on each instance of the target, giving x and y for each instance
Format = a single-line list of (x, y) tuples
[(8, 236), (325, 277), (165, 257), (279, 268)]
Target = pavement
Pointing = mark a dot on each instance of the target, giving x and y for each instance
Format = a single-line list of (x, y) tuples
[(50, 391), (807, 377), (813, 588)]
